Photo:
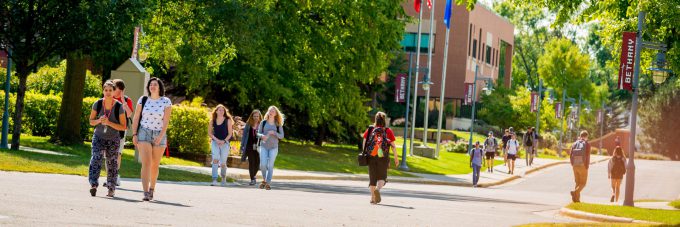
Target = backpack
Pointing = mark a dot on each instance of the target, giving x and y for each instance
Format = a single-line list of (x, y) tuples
[(528, 139), (377, 140), (116, 109), (490, 144), (262, 130), (619, 166), (578, 153)]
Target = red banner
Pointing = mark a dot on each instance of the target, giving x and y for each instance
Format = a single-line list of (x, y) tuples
[(558, 110), (468, 93), (400, 88), (627, 63), (135, 44), (3, 59), (534, 102)]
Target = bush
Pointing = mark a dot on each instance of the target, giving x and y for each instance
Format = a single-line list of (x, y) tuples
[(188, 130), (548, 141), (456, 147)]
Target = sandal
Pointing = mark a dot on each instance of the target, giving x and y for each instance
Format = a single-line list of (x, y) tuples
[(150, 194), (268, 187), (262, 185), (146, 196), (111, 193), (93, 191)]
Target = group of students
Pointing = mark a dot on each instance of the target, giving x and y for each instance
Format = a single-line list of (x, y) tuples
[(509, 150), (113, 114)]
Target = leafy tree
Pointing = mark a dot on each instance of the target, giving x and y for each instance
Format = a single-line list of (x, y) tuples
[(659, 121)]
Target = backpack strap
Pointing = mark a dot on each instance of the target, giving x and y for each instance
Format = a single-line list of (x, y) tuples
[(139, 123), (98, 106)]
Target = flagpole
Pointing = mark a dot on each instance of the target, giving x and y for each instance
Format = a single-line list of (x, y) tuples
[(447, 21), (415, 85), (426, 78)]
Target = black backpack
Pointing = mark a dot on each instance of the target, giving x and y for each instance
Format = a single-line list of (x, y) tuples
[(116, 111), (619, 165), (529, 139)]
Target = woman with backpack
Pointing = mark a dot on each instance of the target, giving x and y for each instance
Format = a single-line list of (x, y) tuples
[(219, 131), (513, 147), (149, 132), (108, 118), (249, 144), (378, 139), (617, 168), (476, 163), (270, 132)]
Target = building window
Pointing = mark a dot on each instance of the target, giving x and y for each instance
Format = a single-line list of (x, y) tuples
[(470, 41), (474, 49), (488, 55)]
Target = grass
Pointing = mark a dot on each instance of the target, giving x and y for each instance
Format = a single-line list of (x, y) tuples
[(459, 134), (669, 217), (447, 164), (78, 164), (580, 224), (675, 204), (649, 200)]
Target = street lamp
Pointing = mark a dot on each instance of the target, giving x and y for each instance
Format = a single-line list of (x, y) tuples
[(489, 89), (659, 71), (426, 87)]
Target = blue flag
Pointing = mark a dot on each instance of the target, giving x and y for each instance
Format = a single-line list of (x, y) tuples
[(447, 14)]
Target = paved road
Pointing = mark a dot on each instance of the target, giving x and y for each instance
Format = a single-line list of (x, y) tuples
[(654, 180), (63, 200)]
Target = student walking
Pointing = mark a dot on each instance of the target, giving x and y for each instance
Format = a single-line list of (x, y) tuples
[(150, 126), (617, 168), (219, 131), (476, 163), (108, 118), (490, 147), (378, 139), (513, 147), (119, 95), (270, 132), (505, 139), (249, 145), (529, 141), (579, 157)]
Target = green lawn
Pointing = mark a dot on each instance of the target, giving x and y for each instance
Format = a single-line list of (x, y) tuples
[(669, 217), (78, 164), (675, 204), (448, 162)]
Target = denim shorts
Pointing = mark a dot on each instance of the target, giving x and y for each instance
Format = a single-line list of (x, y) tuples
[(148, 136)]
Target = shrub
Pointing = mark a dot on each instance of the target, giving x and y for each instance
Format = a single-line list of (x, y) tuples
[(456, 147), (188, 129), (548, 141)]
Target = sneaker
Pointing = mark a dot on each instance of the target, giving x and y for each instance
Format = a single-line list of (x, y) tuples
[(93, 192), (252, 182), (146, 196), (118, 180), (224, 182), (214, 182), (150, 194), (111, 193), (105, 185)]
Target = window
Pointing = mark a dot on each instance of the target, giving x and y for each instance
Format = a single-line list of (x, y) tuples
[(488, 55), (474, 48), (470, 41)]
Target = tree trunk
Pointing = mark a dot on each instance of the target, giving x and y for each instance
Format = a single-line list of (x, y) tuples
[(321, 136), (22, 72), (68, 124)]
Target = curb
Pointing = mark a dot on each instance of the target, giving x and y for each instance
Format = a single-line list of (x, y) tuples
[(600, 217)]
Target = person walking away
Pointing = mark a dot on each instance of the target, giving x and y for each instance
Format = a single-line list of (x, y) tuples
[(513, 148), (476, 163), (378, 139), (616, 169), (150, 125), (119, 95), (249, 145), (579, 157), (270, 132), (506, 137), (219, 131), (108, 118), (528, 141), (490, 147)]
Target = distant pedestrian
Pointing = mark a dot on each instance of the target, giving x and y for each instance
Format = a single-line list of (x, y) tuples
[(580, 161), (270, 131), (108, 118), (617, 168), (219, 130), (378, 139), (529, 142), (476, 163), (490, 147), (506, 137), (617, 141), (149, 126), (513, 148), (249, 144)]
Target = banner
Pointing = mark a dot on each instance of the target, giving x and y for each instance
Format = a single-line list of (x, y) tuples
[(627, 63), (468, 93), (558, 110), (135, 44), (534, 102), (3, 59), (400, 88)]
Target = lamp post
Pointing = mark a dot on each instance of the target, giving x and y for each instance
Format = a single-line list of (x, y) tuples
[(659, 75), (5, 114), (402, 165), (487, 90), (426, 79), (415, 88)]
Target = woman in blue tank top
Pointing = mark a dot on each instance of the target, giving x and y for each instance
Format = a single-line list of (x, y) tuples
[(219, 131)]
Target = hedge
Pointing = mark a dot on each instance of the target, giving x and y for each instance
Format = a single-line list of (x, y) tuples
[(188, 130)]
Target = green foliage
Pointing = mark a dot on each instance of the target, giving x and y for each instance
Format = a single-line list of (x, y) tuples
[(565, 67), (188, 129), (660, 122), (498, 109), (549, 141), (50, 79)]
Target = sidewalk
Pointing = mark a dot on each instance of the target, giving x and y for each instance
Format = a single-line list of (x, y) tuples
[(499, 176)]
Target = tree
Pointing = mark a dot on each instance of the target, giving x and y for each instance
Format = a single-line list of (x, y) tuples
[(34, 31), (659, 121), (565, 67), (105, 37)]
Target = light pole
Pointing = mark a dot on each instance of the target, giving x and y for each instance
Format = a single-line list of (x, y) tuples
[(659, 76), (487, 90), (402, 165), (427, 76), (5, 114), (415, 88)]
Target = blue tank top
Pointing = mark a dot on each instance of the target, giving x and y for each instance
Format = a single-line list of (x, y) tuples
[(221, 131)]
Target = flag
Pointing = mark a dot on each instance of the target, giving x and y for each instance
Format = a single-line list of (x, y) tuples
[(429, 4), (447, 14), (417, 4)]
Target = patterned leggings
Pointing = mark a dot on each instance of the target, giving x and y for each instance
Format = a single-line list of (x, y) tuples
[(110, 148)]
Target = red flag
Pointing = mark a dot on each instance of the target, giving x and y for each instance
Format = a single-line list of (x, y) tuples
[(429, 4), (417, 4)]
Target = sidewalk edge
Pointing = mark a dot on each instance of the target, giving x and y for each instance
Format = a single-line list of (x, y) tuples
[(600, 217)]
